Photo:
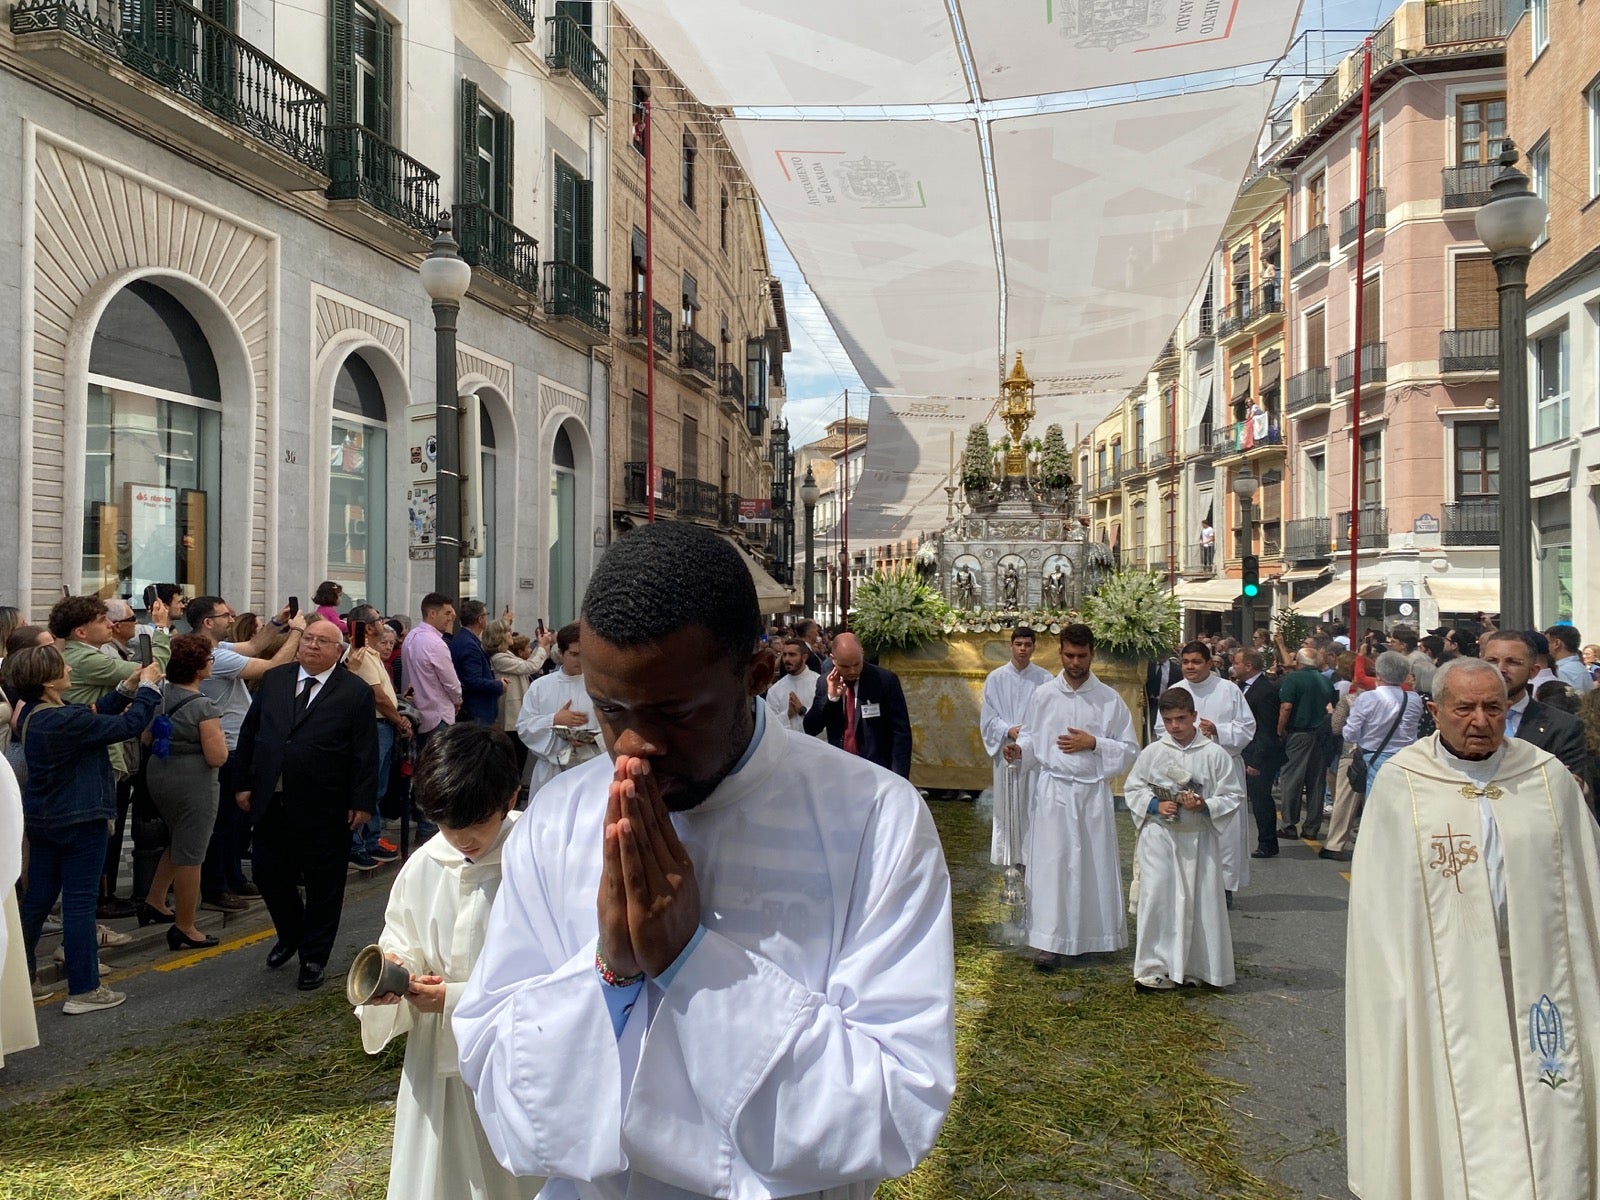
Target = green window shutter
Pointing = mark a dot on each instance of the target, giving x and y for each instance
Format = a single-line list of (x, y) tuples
[(467, 186), (505, 165), (564, 222), (383, 126), (341, 62), (583, 222)]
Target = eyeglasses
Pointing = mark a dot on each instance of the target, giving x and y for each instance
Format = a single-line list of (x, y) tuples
[(320, 641)]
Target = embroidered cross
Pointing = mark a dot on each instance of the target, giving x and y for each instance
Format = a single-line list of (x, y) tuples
[(1452, 852)]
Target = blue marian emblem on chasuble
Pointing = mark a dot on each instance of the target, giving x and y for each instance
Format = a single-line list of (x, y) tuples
[(1547, 1037)]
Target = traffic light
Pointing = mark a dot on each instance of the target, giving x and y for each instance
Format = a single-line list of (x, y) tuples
[(1250, 587)]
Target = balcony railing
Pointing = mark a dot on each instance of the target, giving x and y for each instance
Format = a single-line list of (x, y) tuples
[(729, 518), (730, 383), (1450, 21), (362, 166), (492, 243), (199, 59), (1374, 366), (1161, 453), (634, 475), (1350, 216), (523, 11), (1467, 187), (1242, 436), (1198, 445), (1307, 390), (1323, 101), (1134, 462), (574, 51), (663, 322), (699, 500), (1235, 316), (1308, 251), (697, 354), (1268, 301), (1373, 529), (1469, 350), (1307, 539), (1169, 351), (1471, 523), (570, 291)]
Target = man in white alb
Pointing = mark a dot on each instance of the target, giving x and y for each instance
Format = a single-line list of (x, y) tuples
[(1079, 733), (1472, 987), (556, 722), (1226, 719), (795, 688), (1006, 693)]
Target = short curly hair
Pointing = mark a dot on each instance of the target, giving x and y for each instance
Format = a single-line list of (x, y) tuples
[(72, 611), (190, 654)]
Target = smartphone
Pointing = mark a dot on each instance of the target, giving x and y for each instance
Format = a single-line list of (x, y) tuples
[(66, 592), (147, 653), (358, 635), (541, 625), (149, 596), (294, 607)]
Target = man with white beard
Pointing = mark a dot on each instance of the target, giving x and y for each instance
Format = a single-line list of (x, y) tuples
[(1226, 719), (1079, 733), (795, 688), (1006, 693), (557, 722)]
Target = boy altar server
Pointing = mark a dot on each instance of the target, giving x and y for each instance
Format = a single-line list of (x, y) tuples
[(1182, 792), (1079, 733), (1006, 693), (1224, 718), (438, 912)]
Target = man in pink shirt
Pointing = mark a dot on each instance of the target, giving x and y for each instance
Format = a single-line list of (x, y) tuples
[(429, 674)]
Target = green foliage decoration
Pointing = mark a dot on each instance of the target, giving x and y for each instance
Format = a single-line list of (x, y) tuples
[(1133, 616), (897, 610), (1291, 627), (1055, 460), (977, 466)]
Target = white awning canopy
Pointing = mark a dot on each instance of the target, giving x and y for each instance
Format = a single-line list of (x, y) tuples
[(773, 597), (1208, 595), (1333, 597), (1301, 574), (1458, 595)]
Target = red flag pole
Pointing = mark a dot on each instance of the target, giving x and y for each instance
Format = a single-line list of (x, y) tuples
[(1361, 280), (648, 316)]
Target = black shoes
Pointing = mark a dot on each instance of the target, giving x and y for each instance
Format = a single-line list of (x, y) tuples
[(1289, 831), (149, 915), (114, 908), (1047, 962), (1336, 855), (1260, 852), (177, 939), (280, 953), (311, 977)]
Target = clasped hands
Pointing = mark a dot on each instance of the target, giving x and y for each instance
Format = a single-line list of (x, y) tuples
[(1192, 801), (649, 901)]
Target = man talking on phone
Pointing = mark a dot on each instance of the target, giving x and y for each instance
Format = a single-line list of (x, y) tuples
[(863, 709)]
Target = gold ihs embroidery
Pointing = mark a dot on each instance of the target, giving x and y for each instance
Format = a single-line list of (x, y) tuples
[(1452, 852)]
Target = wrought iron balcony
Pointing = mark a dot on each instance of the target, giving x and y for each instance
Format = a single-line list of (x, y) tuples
[(662, 338), (1469, 350), (1467, 187), (574, 52), (522, 10), (570, 291), (362, 166), (697, 354), (1169, 352), (1235, 316), (699, 500), (198, 60), (1308, 251), (1268, 302), (634, 476), (1161, 453), (492, 243), (1307, 539), (1451, 21), (1198, 445), (1471, 523), (1307, 390), (1373, 529), (1374, 366), (730, 510), (1134, 464), (1350, 217), (730, 384)]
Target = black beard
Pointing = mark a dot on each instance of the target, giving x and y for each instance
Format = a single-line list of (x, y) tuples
[(692, 793)]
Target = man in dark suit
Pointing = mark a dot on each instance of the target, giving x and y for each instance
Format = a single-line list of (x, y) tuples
[(480, 690), (1157, 679), (307, 772), (811, 634), (863, 709), (1263, 755), (1514, 653)]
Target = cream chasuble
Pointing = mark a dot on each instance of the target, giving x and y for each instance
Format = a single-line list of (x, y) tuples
[(1470, 1048), (1223, 704), (1005, 703)]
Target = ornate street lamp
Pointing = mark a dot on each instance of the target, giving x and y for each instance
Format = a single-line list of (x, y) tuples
[(446, 277), (809, 492), (1244, 487), (1509, 224)]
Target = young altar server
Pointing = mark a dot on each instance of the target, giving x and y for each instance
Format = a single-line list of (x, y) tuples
[(1225, 719), (1079, 733), (1182, 792), (1006, 693), (466, 783)]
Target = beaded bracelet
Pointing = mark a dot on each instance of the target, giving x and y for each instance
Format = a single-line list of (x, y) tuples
[(610, 978)]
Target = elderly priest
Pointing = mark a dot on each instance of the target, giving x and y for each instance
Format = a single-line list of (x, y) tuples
[(1476, 867)]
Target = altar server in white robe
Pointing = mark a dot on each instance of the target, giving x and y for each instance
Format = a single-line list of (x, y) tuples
[(19, 1030), (1472, 990), (721, 966), (795, 688), (466, 782), (1079, 733), (1226, 719), (1006, 693), (1181, 791), (556, 722)]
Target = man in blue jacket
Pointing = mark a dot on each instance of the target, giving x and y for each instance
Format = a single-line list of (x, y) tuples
[(480, 690)]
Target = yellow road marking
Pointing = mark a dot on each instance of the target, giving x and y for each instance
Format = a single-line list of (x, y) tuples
[(174, 964), (1345, 875)]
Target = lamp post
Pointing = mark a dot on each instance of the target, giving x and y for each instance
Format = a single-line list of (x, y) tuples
[(808, 496), (1509, 224), (1244, 487), (446, 277)]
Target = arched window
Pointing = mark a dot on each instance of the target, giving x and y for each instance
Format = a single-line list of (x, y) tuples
[(357, 479), (151, 489), (562, 536), (480, 571)]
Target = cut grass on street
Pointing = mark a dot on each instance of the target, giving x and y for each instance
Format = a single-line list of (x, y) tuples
[(1070, 1085)]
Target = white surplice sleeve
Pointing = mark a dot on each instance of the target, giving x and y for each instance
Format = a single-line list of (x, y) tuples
[(1236, 731), (1117, 747), (992, 722), (810, 1091), (401, 936), (1138, 789), (534, 724), (1223, 795)]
